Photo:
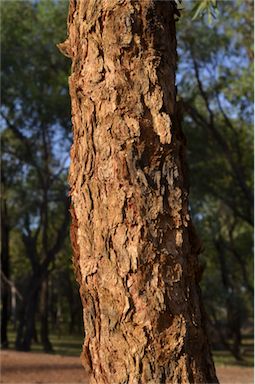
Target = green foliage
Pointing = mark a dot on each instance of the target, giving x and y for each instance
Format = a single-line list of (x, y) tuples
[(36, 137), (215, 81), (29, 49), (208, 7), (35, 111)]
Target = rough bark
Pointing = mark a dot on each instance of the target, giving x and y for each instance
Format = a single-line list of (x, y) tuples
[(135, 250)]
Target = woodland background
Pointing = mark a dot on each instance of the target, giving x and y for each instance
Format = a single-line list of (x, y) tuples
[(41, 307)]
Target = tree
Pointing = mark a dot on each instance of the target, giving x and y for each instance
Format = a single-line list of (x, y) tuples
[(215, 82), (135, 249), (5, 269), (36, 130)]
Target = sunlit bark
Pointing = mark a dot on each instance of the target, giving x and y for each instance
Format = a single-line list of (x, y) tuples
[(135, 250)]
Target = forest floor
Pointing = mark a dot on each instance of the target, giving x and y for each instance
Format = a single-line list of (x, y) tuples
[(36, 367)]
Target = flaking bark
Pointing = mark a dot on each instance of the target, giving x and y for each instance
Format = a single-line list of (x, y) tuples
[(135, 250)]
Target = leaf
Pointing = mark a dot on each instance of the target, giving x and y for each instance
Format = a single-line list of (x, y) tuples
[(199, 8), (209, 6)]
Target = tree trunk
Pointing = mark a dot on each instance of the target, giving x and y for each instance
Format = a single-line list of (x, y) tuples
[(234, 323), (26, 325), (44, 316), (135, 250), (13, 307), (27, 314), (5, 269)]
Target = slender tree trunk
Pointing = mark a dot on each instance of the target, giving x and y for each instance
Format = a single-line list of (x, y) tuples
[(4, 316), (5, 269), (27, 313), (71, 304), (13, 307), (44, 316), (234, 323), (135, 249), (26, 324)]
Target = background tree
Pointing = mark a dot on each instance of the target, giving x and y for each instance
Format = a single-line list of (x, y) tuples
[(215, 82), (36, 118)]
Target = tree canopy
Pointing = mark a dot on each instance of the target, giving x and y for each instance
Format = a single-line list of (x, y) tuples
[(215, 82)]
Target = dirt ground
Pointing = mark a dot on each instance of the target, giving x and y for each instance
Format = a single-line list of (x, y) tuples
[(38, 368)]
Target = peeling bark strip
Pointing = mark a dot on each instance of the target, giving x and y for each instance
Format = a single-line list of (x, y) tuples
[(135, 249)]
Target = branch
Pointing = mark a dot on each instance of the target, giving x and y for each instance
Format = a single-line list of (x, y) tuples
[(12, 285), (230, 125), (219, 138), (230, 246), (25, 141), (237, 172), (60, 236)]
